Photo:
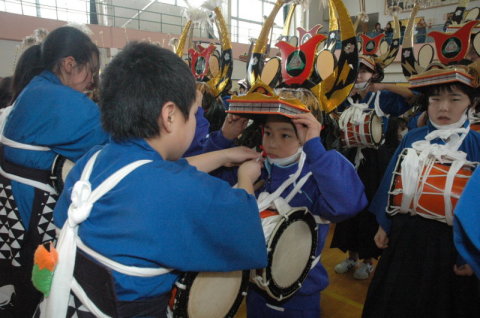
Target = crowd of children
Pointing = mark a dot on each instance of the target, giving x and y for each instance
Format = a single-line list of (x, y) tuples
[(163, 183)]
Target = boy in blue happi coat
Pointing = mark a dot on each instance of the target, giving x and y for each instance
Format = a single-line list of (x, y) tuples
[(332, 192), (165, 216)]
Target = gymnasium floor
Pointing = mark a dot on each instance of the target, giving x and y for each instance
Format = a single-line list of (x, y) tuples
[(344, 297)]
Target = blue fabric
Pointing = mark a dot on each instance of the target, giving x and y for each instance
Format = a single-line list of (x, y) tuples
[(147, 220), (307, 306), (470, 145), (466, 227), (203, 141), (48, 113), (334, 192)]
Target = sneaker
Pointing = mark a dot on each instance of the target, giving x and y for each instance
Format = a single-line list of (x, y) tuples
[(345, 266), (363, 271)]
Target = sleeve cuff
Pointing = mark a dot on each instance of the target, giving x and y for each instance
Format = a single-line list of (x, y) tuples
[(314, 149), (219, 140)]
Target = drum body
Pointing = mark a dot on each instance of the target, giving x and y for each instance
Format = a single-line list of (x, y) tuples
[(432, 189), (208, 294), (291, 250), (59, 172), (366, 131), (475, 125)]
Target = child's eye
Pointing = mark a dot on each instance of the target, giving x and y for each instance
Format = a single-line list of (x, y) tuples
[(286, 136), (267, 133)]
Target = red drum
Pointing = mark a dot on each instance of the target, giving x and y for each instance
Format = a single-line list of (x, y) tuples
[(366, 131), (60, 168), (475, 126), (291, 249), (208, 294), (431, 189)]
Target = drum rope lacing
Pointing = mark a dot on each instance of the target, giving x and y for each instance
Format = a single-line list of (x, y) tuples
[(83, 199), (419, 162)]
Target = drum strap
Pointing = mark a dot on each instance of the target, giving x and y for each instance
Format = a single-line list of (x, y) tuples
[(14, 144), (83, 198), (378, 109), (33, 177), (265, 199)]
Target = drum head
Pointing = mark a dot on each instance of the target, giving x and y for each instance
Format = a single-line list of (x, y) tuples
[(376, 129), (291, 254), (211, 294), (292, 245)]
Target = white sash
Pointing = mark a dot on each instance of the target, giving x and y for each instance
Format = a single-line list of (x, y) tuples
[(83, 198)]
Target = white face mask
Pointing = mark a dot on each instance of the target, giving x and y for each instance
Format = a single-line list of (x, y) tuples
[(362, 86), (283, 162), (458, 124)]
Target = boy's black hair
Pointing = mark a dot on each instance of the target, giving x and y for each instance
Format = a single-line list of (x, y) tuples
[(5, 91), (136, 85), (68, 41), (428, 91), (28, 66)]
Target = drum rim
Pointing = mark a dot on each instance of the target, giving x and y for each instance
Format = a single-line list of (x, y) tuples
[(180, 308), (273, 290), (56, 173)]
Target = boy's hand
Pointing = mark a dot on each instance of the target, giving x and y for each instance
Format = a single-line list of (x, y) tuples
[(307, 127), (249, 171), (381, 238), (233, 126), (463, 270), (237, 155)]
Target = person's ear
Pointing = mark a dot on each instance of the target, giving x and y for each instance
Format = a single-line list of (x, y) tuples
[(167, 116), (68, 64)]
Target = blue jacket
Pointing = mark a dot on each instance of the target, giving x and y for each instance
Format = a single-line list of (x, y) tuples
[(466, 226)]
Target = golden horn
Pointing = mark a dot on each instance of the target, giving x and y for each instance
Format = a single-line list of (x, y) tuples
[(183, 38), (223, 78), (255, 63), (288, 20), (335, 89), (408, 36), (223, 30), (261, 43), (388, 57), (333, 23), (408, 57)]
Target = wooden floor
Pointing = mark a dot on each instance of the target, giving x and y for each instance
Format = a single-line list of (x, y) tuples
[(344, 297)]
